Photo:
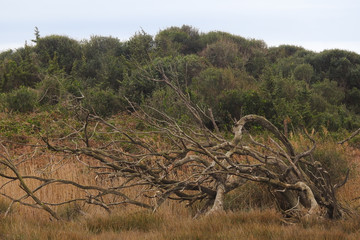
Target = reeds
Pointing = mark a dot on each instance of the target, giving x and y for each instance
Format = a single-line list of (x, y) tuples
[(165, 224), (243, 219)]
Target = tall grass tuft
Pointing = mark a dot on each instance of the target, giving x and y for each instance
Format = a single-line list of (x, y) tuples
[(4, 206), (71, 211), (249, 196), (141, 220)]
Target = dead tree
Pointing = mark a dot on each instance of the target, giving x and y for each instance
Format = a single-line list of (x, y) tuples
[(172, 160), (354, 134)]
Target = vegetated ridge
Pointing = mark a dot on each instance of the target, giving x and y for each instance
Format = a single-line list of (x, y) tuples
[(232, 75)]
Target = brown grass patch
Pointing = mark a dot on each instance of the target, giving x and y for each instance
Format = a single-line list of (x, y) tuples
[(244, 219)]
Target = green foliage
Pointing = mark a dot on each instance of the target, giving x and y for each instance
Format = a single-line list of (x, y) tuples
[(332, 159), (6, 54), (49, 90), (235, 104), (330, 91), (337, 65), (99, 45), (2, 102), (231, 74), (212, 81), (283, 51), (253, 103), (165, 100), (19, 69), (136, 86), (354, 77), (223, 53), (72, 86), (140, 47), (175, 40), (37, 34), (67, 50), (245, 45), (226, 50), (21, 100), (231, 104), (103, 102), (102, 63), (18, 127), (180, 69), (353, 99), (304, 72), (256, 64)]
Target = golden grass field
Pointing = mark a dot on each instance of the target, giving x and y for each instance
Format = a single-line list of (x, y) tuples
[(172, 221)]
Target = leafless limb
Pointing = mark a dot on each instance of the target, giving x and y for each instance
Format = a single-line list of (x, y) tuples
[(351, 137)]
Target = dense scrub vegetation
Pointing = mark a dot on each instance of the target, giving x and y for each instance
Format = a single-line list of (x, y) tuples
[(233, 75)]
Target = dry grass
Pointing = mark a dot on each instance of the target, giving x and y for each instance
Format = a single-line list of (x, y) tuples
[(167, 224), (243, 219)]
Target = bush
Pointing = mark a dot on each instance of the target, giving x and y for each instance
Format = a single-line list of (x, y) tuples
[(167, 101), (49, 91), (223, 53), (304, 72), (2, 101), (21, 100), (103, 102), (136, 87), (333, 159), (60, 48)]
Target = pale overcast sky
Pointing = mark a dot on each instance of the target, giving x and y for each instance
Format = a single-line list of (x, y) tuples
[(313, 24)]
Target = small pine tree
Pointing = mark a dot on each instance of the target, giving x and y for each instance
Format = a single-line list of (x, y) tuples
[(37, 35)]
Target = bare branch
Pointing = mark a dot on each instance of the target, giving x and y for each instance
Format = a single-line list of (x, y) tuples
[(351, 137)]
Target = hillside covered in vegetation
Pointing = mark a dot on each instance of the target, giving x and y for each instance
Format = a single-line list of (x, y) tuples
[(232, 75)]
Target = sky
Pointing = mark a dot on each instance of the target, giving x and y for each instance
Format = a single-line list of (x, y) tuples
[(313, 24)]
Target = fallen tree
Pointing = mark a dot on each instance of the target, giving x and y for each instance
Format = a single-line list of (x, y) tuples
[(198, 164), (354, 134)]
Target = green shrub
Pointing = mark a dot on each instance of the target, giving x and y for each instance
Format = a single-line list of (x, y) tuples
[(103, 102), (2, 101), (49, 91), (21, 100), (167, 101), (304, 72), (222, 53), (333, 159)]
